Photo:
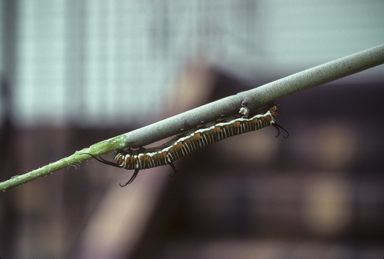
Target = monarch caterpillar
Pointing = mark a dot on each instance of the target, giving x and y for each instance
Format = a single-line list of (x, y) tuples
[(187, 142)]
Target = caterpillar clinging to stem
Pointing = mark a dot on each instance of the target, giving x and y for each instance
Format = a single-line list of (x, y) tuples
[(187, 142)]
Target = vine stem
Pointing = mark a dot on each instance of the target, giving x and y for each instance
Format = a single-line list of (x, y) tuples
[(255, 98)]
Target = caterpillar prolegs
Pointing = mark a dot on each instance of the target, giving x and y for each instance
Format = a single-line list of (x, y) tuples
[(187, 142)]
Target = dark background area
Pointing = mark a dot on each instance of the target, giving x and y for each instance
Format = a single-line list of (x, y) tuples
[(318, 193), (74, 73)]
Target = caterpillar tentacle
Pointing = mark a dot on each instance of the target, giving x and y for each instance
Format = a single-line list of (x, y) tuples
[(102, 160), (132, 178), (186, 142), (278, 127), (175, 173)]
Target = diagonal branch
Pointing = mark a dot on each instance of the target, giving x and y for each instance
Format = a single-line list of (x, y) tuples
[(255, 98)]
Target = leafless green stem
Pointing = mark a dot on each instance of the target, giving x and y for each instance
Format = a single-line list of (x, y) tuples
[(255, 98)]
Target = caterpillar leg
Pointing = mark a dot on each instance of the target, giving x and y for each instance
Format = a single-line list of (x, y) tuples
[(201, 125), (132, 178), (220, 119), (175, 173), (181, 133), (278, 127)]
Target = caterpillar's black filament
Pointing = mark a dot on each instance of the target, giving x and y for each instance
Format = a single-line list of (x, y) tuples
[(186, 142)]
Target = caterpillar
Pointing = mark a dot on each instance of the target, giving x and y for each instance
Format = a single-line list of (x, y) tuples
[(187, 142)]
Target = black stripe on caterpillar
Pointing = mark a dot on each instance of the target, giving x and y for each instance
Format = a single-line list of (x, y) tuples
[(187, 142)]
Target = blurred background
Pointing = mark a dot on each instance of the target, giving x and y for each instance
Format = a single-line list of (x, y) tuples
[(73, 73)]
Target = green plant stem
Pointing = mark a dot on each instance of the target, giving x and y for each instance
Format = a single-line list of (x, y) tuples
[(259, 96), (255, 98)]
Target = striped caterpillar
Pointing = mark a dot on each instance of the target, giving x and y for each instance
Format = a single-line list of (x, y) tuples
[(187, 142)]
